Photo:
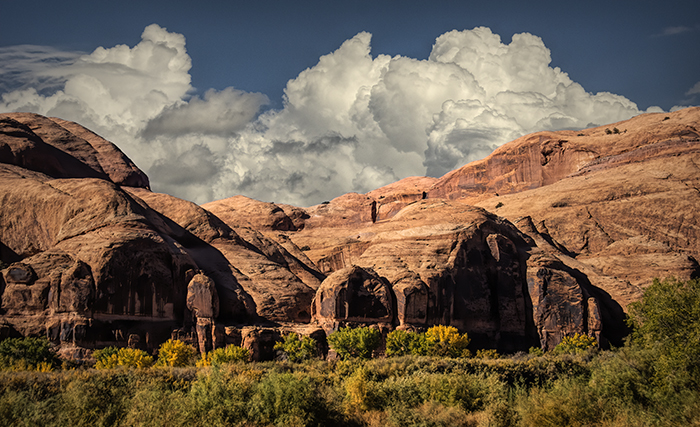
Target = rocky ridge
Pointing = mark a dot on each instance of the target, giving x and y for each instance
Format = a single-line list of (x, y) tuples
[(554, 233)]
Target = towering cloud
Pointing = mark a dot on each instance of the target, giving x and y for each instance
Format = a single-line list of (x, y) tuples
[(352, 122)]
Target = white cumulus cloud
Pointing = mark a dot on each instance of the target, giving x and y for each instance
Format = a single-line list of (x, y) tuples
[(351, 122)]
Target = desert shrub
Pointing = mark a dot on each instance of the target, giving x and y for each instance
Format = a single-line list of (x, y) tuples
[(402, 343), (296, 348), (666, 321), (487, 353), (447, 341), (155, 404), (28, 354), (286, 399), (175, 353), (576, 344), (219, 397), (432, 414), (623, 377), (355, 342), (536, 351), (567, 402), (112, 357), (362, 392), (95, 399), (229, 354)]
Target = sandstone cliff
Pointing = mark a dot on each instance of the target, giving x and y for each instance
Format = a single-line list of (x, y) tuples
[(554, 233), (601, 211)]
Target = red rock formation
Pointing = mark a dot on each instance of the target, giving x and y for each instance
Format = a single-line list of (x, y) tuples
[(611, 207), (106, 264), (353, 294), (274, 273), (63, 149), (95, 257), (581, 223)]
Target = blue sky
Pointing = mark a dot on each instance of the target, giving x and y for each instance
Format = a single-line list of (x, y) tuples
[(244, 55)]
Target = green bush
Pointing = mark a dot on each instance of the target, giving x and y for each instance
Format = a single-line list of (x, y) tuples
[(402, 343), (568, 402), (297, 348), (667, 322), (175, 353), (219, 397), (355, 342), (285, 399), (28, 354), (229, 354), (438, 340), (536, 351)]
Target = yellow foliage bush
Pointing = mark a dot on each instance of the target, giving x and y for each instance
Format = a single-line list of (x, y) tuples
[(228, 354), (577, 343), (447, 341), (175, 353), (110, 358)]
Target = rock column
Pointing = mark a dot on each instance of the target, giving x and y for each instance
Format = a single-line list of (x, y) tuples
[(203, 303)]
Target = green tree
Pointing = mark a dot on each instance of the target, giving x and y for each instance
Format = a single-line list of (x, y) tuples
[(667, 321), (297, 348), (175, 353), (401, 343), (28, 353), (447, 341), (355, 342)]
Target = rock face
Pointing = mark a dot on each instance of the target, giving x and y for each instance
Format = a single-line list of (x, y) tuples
[(446, 263), (63, 149), (353, 294), (555, 233), (602, 211)]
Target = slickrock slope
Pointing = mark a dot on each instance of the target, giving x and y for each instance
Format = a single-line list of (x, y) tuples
[(63, 149), (631, 212)]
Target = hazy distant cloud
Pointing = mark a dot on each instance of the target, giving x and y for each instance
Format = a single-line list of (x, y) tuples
[(351, 122), (39, 67), (695, 90), (675, 30), (671, 31)]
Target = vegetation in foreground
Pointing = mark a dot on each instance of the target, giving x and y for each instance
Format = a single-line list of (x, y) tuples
[(651, 381)]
